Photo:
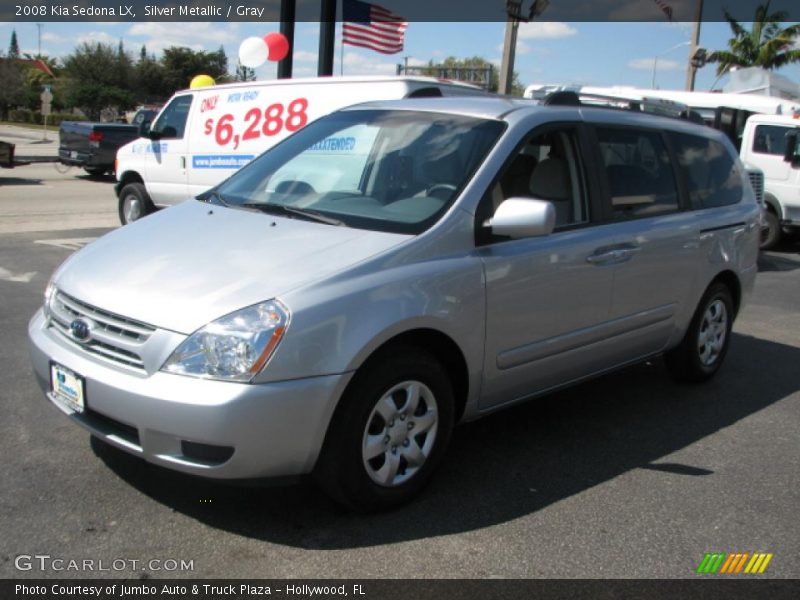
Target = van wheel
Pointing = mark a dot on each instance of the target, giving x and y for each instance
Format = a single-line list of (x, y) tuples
[(134, 203), (706, 342), (389, 432), (771, 233)]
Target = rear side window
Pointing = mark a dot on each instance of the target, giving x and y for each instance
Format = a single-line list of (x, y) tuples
[(713, 177), (770, 139), (639, 173)]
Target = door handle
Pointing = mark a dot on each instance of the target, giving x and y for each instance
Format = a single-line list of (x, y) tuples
[(183, 162), (613, 255), (628, 251), (602, 258)]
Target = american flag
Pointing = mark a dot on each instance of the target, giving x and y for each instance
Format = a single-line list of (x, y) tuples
[(372, 26), (665, 8)]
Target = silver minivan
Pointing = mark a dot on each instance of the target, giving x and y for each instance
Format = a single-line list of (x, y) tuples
[(390, 270)]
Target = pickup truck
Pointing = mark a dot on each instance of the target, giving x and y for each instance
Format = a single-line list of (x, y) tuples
[(94, 146)]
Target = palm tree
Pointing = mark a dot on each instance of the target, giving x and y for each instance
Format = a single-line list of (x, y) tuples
[(766, 45)]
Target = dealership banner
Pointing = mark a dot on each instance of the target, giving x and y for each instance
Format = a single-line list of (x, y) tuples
[(412, 10)]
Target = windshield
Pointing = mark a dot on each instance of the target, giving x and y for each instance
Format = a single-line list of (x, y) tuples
[(395, 171)]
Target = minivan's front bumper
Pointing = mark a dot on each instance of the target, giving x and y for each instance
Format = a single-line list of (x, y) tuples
[(202, 427)]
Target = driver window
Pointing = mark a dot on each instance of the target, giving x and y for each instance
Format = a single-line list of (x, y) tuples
[(547, 167), (171, 123)]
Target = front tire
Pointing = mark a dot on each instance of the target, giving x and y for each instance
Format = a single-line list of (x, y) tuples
[(389, 432), (705, 344), (771, 233), (134, 203)]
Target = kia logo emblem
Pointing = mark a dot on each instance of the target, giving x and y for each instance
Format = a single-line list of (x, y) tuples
[(80, 330)]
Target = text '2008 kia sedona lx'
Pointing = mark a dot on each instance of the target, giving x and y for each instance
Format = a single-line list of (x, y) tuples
[(338, 304)]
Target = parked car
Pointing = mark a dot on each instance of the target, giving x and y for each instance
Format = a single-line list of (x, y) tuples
[(94, 146), (204, 135), (390, 270)]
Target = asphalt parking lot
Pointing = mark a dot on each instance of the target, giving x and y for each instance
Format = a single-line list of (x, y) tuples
[(631, 475)]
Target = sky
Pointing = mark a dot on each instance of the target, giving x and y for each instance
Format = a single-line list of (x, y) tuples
[(547, 52)]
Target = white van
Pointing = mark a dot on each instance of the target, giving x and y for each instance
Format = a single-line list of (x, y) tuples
[(769, 142), (202, 136)]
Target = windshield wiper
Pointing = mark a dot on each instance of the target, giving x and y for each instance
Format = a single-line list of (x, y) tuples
[(293, 211)]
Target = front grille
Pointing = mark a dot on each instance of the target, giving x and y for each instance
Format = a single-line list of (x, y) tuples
[(757, 182), (113, 338)]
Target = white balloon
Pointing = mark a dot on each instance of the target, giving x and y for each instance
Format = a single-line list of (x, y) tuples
[(253, 52)]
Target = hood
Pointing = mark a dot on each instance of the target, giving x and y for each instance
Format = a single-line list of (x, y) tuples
[(183, 267)]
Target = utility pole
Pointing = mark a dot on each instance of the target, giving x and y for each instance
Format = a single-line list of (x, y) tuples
[(514, 11), (691, 67), (509, 48), (39, 27)]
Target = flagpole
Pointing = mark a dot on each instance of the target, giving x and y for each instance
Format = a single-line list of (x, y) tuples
[(341, 54)]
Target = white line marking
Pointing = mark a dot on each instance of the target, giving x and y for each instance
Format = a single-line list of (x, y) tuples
[(7, 275), (68, 243)]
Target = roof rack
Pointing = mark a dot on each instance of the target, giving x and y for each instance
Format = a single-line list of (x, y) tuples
[(654, 106)]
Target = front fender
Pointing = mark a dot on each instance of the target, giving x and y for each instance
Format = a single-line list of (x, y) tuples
[(336, 325)]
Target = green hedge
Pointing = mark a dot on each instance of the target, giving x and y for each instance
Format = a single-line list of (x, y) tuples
[(23, 115)]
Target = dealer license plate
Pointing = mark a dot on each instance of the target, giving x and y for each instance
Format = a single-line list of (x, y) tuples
[(67, 387)]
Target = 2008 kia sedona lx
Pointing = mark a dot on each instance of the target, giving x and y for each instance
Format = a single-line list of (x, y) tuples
[(338, 304)]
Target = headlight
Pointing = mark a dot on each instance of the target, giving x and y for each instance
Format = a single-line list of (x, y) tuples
[(49, 294), (233, 348)]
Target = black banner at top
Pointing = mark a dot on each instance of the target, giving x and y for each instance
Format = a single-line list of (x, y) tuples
[(410, 10)]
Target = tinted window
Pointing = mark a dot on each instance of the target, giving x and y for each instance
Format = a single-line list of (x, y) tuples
[(712, 175), (639, 173), (770, 139), (171, 123)]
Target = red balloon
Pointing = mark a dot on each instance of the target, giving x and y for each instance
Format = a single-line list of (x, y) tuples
[(278, 46)]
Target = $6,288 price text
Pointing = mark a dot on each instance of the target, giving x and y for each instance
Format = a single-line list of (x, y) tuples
[(271, 121)]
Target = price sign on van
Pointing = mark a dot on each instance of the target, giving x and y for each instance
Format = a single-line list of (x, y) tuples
[(273, 120)]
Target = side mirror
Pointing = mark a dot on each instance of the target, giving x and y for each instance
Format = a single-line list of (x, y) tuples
[(523, 217), (790, 154)]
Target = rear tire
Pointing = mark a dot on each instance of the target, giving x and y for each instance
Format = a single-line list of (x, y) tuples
[(771, 233), (134, 203), (705, 344), (95, 171), (62, 167), (389, 432)]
